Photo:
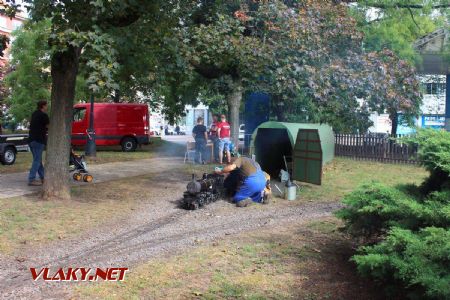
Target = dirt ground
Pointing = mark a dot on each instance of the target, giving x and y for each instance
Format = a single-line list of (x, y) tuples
[(154, 230), (159, 227), (298, 260)]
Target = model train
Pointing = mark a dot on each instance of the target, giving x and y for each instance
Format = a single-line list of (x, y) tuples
[(200, 192)]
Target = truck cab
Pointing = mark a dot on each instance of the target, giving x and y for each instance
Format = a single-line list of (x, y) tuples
[(10, 144)]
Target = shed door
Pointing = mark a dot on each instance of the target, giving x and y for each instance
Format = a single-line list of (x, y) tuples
[(308, 157)]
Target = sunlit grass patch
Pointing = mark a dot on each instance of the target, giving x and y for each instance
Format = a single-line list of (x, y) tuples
[(343, 175), (27, 221)]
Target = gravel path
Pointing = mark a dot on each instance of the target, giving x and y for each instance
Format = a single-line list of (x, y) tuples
[(158, 228), (15, 184)]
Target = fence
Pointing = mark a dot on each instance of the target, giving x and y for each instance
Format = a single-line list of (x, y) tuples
[(375, 147)]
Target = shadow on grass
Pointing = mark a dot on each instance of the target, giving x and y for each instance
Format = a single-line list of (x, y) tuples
[(318, 256)]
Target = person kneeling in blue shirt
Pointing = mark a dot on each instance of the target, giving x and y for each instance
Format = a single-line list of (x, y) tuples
[(254, 182)]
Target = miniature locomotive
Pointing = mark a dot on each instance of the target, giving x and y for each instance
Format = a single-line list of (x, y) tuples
[(200, 192)]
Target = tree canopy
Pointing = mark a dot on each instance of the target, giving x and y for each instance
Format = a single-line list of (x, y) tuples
[(306, 54), (82, 36), (30, 79), (396, 25)]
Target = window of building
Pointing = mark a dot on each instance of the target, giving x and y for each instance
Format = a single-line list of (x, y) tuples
[(434, 88), (3, 22)]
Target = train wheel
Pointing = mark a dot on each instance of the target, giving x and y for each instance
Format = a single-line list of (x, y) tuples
[(88, 178), (77, 176)]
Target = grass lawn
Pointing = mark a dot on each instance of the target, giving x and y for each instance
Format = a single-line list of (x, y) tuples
[(344, 175), (104, 155), (25, 221), (302, 261)]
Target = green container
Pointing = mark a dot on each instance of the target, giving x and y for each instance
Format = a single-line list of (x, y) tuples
[(307, 147)]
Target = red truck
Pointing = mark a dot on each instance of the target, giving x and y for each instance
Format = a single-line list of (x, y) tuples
[(114, 124)]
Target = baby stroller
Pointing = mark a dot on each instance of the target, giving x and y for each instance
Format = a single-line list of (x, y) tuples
[(78, 166), (233, 151)]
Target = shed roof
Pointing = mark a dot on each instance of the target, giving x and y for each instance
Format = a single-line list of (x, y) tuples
[(292, 128)]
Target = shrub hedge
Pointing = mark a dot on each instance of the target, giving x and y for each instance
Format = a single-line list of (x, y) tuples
[(412, 230)]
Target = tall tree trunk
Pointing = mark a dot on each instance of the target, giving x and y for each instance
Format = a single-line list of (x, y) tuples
[(279, 107), (234, 104), (64, 66), (394, 120)]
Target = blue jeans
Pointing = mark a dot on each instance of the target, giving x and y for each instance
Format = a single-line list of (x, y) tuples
[(252, 187), (200, 150), (216, 143), (36, 167), (224, 144)]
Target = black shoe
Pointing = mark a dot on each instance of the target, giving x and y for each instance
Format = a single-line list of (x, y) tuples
[(35, 183)]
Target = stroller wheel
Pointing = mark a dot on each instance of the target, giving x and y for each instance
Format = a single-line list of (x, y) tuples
[(88, 178), (77, 176)]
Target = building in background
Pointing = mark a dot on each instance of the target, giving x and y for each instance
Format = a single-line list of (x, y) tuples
[(192, 113), (435, 72), (435, 65), (186, 122), (433, 108), (7, 26)]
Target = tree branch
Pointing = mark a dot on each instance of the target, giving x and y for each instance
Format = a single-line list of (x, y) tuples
[(394, 5), (412, 17), (207, 71)]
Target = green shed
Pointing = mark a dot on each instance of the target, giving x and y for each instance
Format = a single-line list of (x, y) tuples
[(307, 152)]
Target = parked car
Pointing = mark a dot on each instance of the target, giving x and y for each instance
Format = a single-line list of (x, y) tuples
[(10, 144), (124, 124)]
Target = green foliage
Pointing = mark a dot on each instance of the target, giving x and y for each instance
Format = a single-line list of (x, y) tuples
[(3, 88), (434, 155), (373, 209), (434, 149), (412, 226), (413, 234), (30, 79), (395, 28), (308, 56), (420, 260), (3, 43)]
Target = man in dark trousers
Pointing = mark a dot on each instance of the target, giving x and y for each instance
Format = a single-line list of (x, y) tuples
[(214, 137), (37, 140), (200, 136)]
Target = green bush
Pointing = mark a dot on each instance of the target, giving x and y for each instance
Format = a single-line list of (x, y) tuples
[(373, 209), (434, 154), (411, 225), (421, 261)]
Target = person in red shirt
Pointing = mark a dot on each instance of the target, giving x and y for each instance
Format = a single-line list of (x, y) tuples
[(223, 131)]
